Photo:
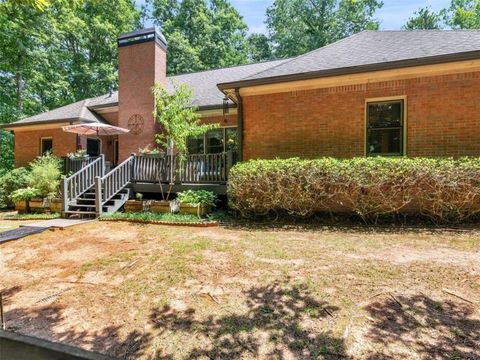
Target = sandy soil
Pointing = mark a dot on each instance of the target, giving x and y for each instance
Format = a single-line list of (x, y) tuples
[(160, 292)]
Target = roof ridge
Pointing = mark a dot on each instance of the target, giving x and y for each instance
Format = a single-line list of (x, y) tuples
[(228, 67), (307, 53)]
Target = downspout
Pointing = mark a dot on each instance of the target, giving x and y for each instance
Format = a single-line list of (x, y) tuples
[(239, 123)]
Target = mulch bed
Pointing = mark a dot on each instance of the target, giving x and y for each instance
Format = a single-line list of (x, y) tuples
[(171, 223)]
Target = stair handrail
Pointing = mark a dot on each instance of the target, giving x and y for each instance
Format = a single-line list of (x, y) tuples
[(77, 184), (107, 186)]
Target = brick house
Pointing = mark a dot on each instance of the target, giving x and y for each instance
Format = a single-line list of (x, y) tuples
[(392, 93)]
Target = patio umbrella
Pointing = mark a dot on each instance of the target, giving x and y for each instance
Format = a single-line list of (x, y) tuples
[(97, 129)]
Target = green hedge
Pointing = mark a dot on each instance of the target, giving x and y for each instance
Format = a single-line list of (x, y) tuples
[(445, 190)]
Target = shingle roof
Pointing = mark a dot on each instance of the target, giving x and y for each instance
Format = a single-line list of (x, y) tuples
[(364, 51), (374, 48), (77, 111), (204, 83)]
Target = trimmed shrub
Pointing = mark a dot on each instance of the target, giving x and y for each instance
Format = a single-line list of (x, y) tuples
[(444, 190)]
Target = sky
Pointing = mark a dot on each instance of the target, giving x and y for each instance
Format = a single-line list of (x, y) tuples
[(393, 15)]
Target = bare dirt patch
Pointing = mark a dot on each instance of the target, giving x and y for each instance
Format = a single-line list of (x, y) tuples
[(159, 292)]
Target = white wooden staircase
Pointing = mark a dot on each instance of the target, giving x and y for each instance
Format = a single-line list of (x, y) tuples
[(90, 192)]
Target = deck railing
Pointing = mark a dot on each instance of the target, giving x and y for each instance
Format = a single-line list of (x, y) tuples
[(71, 166), (106, 187), (77, 184), (198, 169)]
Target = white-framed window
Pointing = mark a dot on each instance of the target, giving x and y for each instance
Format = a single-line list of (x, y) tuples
[(46, 145)]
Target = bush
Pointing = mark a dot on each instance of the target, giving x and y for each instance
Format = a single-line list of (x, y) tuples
[(197, 197), (45, 175), (25, 194), (6, 151), (11, 181), (444, 190)]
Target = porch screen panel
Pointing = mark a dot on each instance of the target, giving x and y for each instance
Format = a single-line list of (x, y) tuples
[(385, 128)]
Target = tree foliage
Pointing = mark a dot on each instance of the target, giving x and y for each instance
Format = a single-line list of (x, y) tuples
[(424, 19), (464, 14), (178, 119), (6, 152), (58, 51), (201, 34), (259, 48), (298, 26)]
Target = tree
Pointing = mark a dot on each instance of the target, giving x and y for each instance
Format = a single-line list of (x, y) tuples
[(424, 19), (58, 52), (259, 48), (6, 152), (201, 34), (178, 120), (463, 14), (299, 26)]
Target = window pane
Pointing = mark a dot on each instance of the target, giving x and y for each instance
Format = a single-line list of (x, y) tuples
[(47, 146), (195, 145), (214, 141), (231, 139), (385, 141), (385, 114)]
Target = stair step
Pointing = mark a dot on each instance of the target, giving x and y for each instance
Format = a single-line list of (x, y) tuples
[(80, 212)]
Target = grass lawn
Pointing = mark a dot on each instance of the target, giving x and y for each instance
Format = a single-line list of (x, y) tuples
[(162, 292), (6, 225)]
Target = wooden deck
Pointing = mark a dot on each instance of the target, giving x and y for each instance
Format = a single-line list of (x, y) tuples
[(92, 189)]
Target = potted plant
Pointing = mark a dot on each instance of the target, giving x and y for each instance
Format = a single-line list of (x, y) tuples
[(147, 151), (197, 202), (22, 197), (80, 154)]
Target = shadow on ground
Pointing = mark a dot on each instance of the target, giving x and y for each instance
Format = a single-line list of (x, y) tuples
[(276, 310), (45, 321), (431, 329), (280, 320)]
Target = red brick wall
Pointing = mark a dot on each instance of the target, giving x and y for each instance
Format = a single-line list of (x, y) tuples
[(443, 119), (140, 66), (27, 144)]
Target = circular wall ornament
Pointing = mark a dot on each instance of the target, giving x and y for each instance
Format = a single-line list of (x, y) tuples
[(135, 124)]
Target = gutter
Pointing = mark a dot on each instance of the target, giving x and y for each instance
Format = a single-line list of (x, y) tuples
[(13, 125), (215, 107), (239, 123), (431, 60)]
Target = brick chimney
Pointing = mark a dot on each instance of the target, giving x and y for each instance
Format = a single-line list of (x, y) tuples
[(142, 62)]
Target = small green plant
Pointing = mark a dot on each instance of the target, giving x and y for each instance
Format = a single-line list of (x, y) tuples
[(45, 175), (197, 197), (25, 194), (149, 216), (139, 196)]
